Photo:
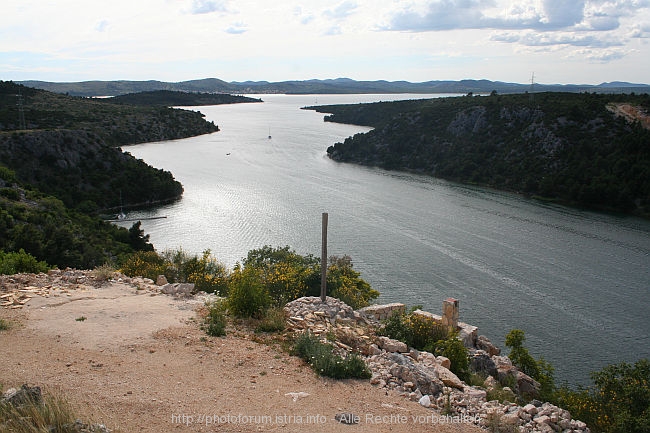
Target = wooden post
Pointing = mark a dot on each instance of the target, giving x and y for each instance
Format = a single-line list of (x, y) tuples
[(323, 261)]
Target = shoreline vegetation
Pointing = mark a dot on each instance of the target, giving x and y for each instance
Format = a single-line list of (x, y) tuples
[(567, 148)]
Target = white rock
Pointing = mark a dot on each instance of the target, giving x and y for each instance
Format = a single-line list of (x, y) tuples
[(530, 409), (425, 401)]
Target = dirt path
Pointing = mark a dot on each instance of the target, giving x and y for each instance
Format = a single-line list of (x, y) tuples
[(138, 362)]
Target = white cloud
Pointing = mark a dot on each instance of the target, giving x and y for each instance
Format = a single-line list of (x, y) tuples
[(237, 29), (342, 10), (207, 6)]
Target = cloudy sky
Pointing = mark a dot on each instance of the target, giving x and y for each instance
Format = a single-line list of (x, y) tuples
[(560, 41)]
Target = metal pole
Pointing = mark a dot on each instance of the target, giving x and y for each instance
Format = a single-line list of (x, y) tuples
[(323, 261)]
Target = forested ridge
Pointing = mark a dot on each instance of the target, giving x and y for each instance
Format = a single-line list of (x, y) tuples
[(568, 147), (61, 165)]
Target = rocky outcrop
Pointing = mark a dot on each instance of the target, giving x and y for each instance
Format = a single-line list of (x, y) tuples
[(422, 377)]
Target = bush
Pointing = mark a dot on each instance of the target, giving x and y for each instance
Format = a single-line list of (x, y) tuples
[(104, 272), (346, 284), (14, 263), (453, 349), (4, 325), (206, 273), (539, 369), (215, 321), (416, 330), (247, 296), (325, 363), (146, 264), (288, 276), (619, 401), (273, 321)]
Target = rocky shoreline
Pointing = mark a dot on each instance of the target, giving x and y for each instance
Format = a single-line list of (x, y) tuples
[(424, 378)]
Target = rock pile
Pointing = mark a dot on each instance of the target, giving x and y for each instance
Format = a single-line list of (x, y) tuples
[(423, 377)]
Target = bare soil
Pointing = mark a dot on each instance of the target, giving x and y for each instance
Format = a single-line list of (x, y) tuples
[(137, 361)]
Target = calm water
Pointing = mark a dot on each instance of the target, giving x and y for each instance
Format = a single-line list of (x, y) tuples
[(576, 282)]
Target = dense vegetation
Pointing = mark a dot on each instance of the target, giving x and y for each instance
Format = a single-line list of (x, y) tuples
[(60, 166), (617, 402), (267, 277), (561, 146), (37, 230), (169, 98)]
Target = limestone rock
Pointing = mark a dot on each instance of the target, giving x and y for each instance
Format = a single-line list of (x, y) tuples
[(161, 280), (483, 343), (393, 346), (443, 361), (481, 363), (449, 378)]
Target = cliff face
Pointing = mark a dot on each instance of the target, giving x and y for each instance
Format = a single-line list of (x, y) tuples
[(565, 147)]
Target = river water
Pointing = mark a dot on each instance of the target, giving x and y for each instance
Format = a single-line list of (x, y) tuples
[(576, 282)]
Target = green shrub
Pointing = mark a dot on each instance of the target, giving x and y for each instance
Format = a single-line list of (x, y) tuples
[(146, 264), (416, 330), (346, 284), (453, 349), (538, 369), (215, 321), (273, 321), (4, 325), (325, 363), (619, 401), (13, 263), (206, 273), (247, 296), (502, 394)]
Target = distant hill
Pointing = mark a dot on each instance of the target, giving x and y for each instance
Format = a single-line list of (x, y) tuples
[(171, 98), (329, 86), (584, 149)]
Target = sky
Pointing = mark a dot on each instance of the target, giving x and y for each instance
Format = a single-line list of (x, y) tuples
[(548, 41)]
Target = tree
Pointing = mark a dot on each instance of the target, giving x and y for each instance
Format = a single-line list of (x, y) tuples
[(137, 239)]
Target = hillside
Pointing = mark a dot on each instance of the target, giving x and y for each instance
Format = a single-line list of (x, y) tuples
[(572, 148), (169, 98), (328, 86), (61, 165), (69, 147)]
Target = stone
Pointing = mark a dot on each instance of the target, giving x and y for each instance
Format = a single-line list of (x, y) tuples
[(468, 334), (393, 346), (483, 343), (425, 401), (26, 394), (481, 363), (489, 382), (443, 361), (161, 280), (530, 409), (527, 386), (178, 289), (426, 379), (448, 377)]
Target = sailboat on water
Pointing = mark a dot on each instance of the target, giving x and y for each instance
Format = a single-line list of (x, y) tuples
[(269, 132)]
